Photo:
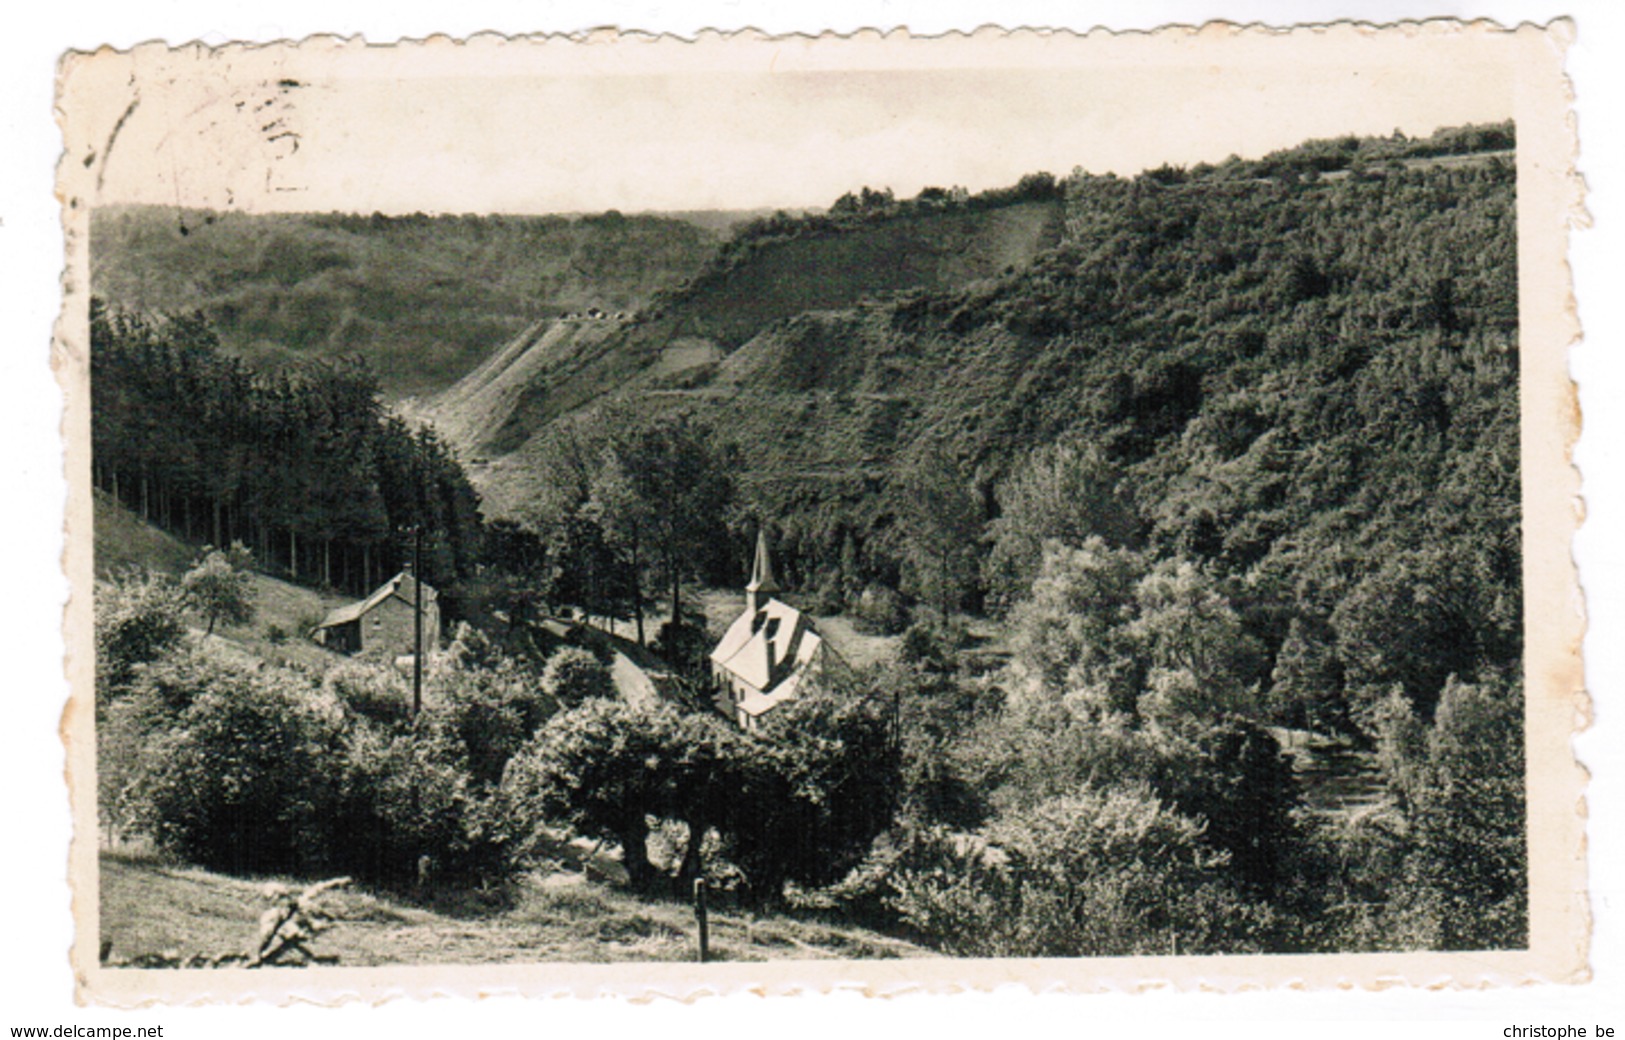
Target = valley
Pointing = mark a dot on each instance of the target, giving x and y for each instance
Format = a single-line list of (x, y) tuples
[(1152, 544)]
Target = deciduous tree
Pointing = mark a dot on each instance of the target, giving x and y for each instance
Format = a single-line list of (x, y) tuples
[(221, 585)]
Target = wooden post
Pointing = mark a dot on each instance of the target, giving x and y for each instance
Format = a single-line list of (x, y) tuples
[(700, 916), (417, 622)]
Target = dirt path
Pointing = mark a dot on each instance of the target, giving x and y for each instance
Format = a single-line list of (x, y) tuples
[(633, 682)]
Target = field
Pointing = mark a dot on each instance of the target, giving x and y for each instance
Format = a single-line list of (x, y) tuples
[(149, 907)]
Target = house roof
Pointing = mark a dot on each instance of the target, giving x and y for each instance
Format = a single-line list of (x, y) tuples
[(758, 704), (768, 649), (402, 585)]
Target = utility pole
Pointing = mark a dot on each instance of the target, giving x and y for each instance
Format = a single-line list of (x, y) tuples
[(417, 620)]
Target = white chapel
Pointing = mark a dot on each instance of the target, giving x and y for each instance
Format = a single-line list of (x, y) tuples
[(767, 653)]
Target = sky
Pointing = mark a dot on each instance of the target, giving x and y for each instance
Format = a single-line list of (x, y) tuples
[(537, 127)]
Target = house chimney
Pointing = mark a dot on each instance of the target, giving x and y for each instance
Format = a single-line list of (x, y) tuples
[(762, 586)]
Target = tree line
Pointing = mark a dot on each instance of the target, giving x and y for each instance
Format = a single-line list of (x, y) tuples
[(305, 466)]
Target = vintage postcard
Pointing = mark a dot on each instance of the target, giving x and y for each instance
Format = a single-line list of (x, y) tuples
[(622, 514)]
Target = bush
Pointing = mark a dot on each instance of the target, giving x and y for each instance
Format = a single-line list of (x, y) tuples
[(827, 597), (372, 691), (425, 800), (686, 647), (221, 585), (801, 802), (604, 768), (933, 644), (941, 717), (239, 782), (1234, 776), (260, 772), (1096, 873), (574, 676), (830, 774), (880, 611), (490, 712), (154, 702), (1461, 782), (140, 616), (409, 806)]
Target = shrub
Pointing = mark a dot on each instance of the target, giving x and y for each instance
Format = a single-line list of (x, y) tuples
[(939, 716), (371, 691), (489, 714), (155, 701), (239, 782), (801, 802), (408, 806), (221, 585), (604, 768), (1071, 634), (686, 647), (139, 618), (424, 801), (307, 623), (1234, 776), (1360, 856), (1461, 781), (1062, 492), (258, 772), (934, 644), (880, 610), (1096, 873), (828, 596), (829, 773), (574, 676), (1203, 662)]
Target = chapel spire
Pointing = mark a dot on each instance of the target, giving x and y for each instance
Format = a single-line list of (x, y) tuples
[(762, 586)]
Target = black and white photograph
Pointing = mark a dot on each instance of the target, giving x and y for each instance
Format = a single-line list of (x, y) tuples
[(996, 498)]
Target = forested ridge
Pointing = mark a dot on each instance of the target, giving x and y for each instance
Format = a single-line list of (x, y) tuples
[(422, 298)]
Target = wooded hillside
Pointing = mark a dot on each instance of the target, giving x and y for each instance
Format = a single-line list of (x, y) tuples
[(421, 298), (1299, 374)]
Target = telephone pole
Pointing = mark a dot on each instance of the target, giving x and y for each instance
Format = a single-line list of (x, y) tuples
[(417, 620)]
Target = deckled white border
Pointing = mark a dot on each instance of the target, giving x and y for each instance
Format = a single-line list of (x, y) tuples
[(1222, 974)]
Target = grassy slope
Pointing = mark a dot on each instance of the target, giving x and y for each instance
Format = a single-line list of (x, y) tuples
[(147, 907), (424, 299), (124, 540)]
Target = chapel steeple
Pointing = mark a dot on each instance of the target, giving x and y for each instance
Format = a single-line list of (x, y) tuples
[(762, 586)]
